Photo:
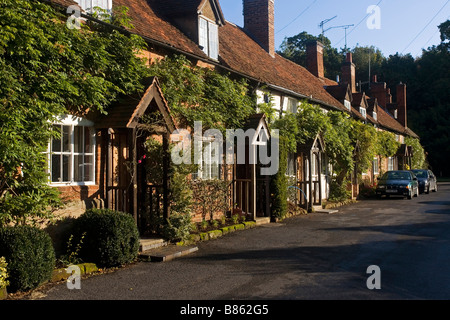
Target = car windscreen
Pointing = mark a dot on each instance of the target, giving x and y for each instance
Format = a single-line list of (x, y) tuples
[(396, 175), (421, 174)]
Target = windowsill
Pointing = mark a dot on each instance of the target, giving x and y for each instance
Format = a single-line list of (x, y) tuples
[(71, 184)]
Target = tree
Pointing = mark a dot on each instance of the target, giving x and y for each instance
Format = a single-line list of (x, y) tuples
[(47, 69), (368, 61), (429, 103), (444, 28)]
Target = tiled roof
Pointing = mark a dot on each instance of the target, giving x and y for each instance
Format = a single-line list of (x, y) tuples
[(339, 92), (238, 52), (177, 8), (120, 115), (64, 3), (385, 120), (151, 26)]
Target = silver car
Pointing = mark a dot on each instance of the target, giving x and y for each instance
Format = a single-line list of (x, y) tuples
[(427, 180)]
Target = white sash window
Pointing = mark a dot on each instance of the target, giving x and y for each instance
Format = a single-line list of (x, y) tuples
[(71, 156)]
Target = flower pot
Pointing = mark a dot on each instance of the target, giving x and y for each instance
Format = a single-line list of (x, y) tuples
[(3, 294)]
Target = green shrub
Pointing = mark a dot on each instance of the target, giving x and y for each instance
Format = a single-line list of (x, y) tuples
[(338, 191), (3, 273), (177, 228), (30, 256), (111, 238)]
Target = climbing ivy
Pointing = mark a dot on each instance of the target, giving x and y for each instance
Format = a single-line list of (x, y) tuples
[(349, 144), (419, 160), (202, 94), (47, 69)]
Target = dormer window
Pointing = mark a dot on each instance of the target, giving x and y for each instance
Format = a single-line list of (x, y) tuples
[(347, 104), (362, 111), (374, 115), (89, 5), (208, 35)]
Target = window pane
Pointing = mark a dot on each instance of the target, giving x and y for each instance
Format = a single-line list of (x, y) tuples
[(66, 139), (215, 171), (88, 168), (66, 168), (88, 145), (213, 40), (78, 139), (78, 168), (203, 34), (56, 168), (56, 142)]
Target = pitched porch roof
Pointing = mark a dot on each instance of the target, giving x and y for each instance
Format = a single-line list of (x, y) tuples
[(127, 112)]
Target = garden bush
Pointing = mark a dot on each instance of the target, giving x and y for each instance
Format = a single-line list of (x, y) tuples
[(3, 274), (338, 191), (177, 228), (111, 238), (30, 256)]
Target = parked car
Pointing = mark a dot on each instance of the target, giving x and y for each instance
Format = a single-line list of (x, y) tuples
[(427, 180), (398, 183)]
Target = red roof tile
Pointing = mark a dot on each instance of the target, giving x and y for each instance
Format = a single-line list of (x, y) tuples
[(149, 25), (239, 52), (176, 8)]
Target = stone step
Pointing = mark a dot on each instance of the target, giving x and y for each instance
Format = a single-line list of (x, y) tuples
[(262, 220), (151, 243), (328, 211), (167, 253)]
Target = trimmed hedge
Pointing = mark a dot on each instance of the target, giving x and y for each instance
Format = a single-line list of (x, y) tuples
[(111, 238), (30, 256)]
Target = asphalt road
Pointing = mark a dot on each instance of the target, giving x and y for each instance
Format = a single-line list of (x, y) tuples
[(316, 256)]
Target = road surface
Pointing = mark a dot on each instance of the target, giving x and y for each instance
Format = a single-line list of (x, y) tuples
[(315, 256)]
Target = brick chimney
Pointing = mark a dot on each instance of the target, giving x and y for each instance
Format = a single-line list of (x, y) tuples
[(349, 72), (401, 104), (314, 58), (378, 90), (259, 23)]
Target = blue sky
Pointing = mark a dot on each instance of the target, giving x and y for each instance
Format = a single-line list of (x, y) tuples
[(406, 26)]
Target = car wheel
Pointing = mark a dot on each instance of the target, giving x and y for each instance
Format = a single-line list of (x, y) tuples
[(435, 188), (417, 193), (410, 195)]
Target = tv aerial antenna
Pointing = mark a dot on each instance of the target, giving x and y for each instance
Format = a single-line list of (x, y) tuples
[(322, 24), (343, 27)]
